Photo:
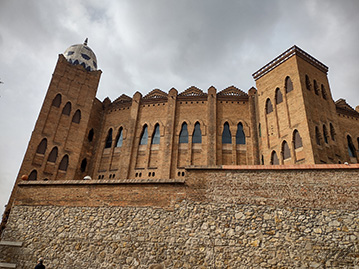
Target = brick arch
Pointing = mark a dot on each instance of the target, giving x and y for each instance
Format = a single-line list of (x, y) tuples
[(179, 127), (191, 126)]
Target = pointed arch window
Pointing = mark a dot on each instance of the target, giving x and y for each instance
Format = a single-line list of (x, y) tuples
[(108, 142), (91, 135), (297, 140), (64, 163), (317, 135), (119, 138), (156, 135), (285, 150), (183, 137), (274, 158), (83, 165), (351, 148), (197, 134), (332, 132), (288, 85), (33, 175), (53, 155), (226, 134), (325, 134), (278, 96), (307, 83), (67, 109), (144, 135), (41, 148), (56, 102), (324, 93), (269, 106), (77, 117), (316, 90), (240, 135)]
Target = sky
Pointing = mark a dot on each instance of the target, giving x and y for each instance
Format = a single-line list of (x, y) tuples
[(142, 45)]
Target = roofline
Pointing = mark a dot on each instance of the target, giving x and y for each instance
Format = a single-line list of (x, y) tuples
[(284, 57)]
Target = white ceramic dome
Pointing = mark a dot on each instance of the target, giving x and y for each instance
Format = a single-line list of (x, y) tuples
[(83, 55)]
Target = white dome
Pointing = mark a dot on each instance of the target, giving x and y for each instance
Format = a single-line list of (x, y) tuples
[(83, 55)]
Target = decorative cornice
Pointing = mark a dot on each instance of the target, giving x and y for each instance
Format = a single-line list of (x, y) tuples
[(284, 57)]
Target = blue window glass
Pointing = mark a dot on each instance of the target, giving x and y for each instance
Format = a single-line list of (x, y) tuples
[(351, 148), (240, 136), (108, 143), (144, 136), (183, 138), (85, 56), (70, 53), (226, 135), (197, 134), (156, 135), (119, 139)]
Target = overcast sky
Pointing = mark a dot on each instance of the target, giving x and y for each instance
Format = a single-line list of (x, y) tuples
[(143, 45)]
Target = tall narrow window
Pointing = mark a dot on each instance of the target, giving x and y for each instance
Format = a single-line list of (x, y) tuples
[(119, 138), (288, 85), (297, 140), (260, 130), (332, 132), (64, 163), (67, 109), (325, 134), (269, 107), (351, 148), (83, 165), (285, 150), (278, 96), (53, 155), (316, 90), (240, 135), (274, 158), (156, 135), (90, 135), (57, 101), (197, 134), (41, 148), (226, 134), (317, 135), (77, 117), (33, 175), (144, 135), (183, 137), (262, 160), (324, 93), (108, 142), (307, 82)]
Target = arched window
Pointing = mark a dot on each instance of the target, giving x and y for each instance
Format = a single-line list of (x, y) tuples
[(226, 134), (351, 148), (274, 158), (332, 132), (317, 135), (297, 140), (325, 134), (262, 160), (307, 82), (77, 117), (144, 135), (33, 175), (90, 135), (285, 150), (119, 138), (240, 135), (316, 90), (108, 142), (53, 155), (278, 96), (269, 107), (41, 148), (83, 165), (156, 135), (64, 163), (288, 85), (183, 137), (197, 134), (324, 93), (67, 109), (57, 101)]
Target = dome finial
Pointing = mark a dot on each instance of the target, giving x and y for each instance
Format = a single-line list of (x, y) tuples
[(86, 40)]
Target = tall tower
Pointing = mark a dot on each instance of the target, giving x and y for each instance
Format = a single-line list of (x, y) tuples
[(297, 115), (60, 144)]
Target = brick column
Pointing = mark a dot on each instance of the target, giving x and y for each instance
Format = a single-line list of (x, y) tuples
[(212, 127)]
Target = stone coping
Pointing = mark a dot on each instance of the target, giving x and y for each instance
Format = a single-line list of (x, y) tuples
[(103, 182), (278, 167)]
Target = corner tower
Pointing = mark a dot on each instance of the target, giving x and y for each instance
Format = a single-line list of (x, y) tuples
[(297, 115), (59, 147)]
